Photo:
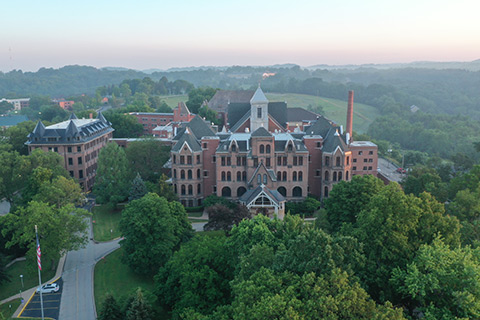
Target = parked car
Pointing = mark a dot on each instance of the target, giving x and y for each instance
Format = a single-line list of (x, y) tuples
[(401, 170), (49, 288)]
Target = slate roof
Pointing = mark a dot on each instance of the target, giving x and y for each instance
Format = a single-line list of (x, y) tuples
[(198, 127), (71, 131), (334, 140), (278, 110), (251, 194), (300, 114), (191, 141), (239, 123), (321, 127), (261, 132), (222, 98), (9, 121)]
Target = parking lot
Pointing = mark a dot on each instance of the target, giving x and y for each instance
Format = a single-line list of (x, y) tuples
[(51, 304)]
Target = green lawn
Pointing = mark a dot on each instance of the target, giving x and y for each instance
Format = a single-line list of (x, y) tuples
[(106, 223), (5, 309), (173, 101), (113, 276), (335, 110), (30, 277)]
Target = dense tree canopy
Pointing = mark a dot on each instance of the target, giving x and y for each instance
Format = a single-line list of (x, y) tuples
[(147, 157)]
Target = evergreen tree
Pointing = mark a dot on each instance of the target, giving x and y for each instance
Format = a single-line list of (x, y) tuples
[(110, 309), (113, 178), (139, 309), (138, 189)]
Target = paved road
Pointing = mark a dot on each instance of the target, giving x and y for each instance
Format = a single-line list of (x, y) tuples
[(198, 226), (77, 299), (388, 170)]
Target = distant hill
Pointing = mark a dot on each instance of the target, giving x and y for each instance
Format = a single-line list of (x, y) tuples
[(471, 66)]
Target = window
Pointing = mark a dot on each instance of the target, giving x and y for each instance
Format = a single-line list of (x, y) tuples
[(319, 144), (290, 148), (229, 161), (182, 174), (229, 176), (279, 176), (234, 148), (365, 160), (79, 149), (239, 161), (259, 178), (255, 162), (327, 161), (370, 152), (182, 159), (259, 112), (334, 176), (285, 161), (340, 176), (239, 176), (190, 175), (262, 148), (267, 162), (354, 160), (204, 145), (369, 168), (199, 189), (189, 159), (346, 176), (244, 161), (198, 174), (325, 192), (214, 159), (279, 161), (364, 168), (300, 161), (80, 160), (183, 189), (175, 173), (223, 161), (317, 173), (338, 162), (71, 173), (370, 160), (244, 175), (174, 159), (360, 153), (268, 149), (198, 159), (80, 174), (327, 175), (284, 176), (224, 176), (294, 161), (205, 173), (190, 189), (354, 168), (55, 149), (70, 161), (69, 149), (300, 176), (265, 179), (294, 176)]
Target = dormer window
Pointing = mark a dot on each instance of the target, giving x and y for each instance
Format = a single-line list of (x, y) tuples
[(234, 148), (289, 148)]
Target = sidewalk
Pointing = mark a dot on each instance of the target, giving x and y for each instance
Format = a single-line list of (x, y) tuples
[(203, 217), (27, 294)]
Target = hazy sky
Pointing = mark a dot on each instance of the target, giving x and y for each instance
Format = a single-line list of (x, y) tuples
[(177, 33)]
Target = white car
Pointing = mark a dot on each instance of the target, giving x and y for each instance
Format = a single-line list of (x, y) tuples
[(49, 288)]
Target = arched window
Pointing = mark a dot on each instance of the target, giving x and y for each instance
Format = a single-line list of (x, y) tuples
[(175, 173), (340, 176), (198, 174), (183, 189), (241, 191), (239, 176), (262, 148), (282, 191), (223, 176), (327, 175), (190, 189), (325, 192), (289, 148), (263, 201), (265, 180), (300, 176), (294, 176), (268, 149), (234, 148), (182, 174), (284, 176), (346, 176), (334, 178), (259, 178), (338, 162), (199, 188), (190, 174), (229, 176), (226, 192), (175, 189), (297, 192), (279, 176), (244, 175)]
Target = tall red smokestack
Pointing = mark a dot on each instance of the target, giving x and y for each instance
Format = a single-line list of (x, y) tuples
[(350, 114)]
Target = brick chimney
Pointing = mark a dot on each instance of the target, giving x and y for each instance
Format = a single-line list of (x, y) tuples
[(349, 130)]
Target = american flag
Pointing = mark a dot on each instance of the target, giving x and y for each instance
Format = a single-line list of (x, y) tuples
[(39, 255)]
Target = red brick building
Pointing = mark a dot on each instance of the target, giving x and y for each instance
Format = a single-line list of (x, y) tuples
[(78, 141), (258, 154), (151, 120)]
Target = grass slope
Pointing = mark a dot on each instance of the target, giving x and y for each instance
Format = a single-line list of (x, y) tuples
[(106, 223), (8, 309), (30, 277), (335, 110), (173, 101)]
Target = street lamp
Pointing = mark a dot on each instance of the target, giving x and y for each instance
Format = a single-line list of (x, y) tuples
[(21, 279)]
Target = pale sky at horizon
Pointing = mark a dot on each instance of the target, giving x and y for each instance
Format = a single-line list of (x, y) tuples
[(163, 34)]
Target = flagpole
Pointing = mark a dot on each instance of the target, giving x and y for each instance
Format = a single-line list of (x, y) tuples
[(39, 274)]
